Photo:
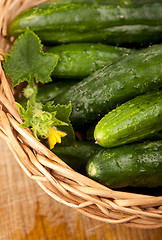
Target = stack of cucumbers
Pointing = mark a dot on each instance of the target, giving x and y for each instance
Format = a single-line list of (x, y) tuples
[(110, 70)]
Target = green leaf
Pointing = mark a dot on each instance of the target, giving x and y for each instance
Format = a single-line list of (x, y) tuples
[(26, 114), (28, 61)]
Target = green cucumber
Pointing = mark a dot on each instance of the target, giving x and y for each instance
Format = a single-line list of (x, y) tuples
[(77, 156), (126, 36), (92, 21), (134, 120), (136, 165), (48, 91), (78, 60), (113, 85)]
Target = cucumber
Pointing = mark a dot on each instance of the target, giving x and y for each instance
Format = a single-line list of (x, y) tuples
[(135, 165), (124, 36), (77, 156), (113, 85), (79, 60), (48, 91), (92, 21), (134, 120)]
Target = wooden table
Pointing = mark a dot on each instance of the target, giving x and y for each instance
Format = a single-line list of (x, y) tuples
[(28, 213)]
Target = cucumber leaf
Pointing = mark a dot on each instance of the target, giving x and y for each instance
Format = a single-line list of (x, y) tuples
[(28, 61)]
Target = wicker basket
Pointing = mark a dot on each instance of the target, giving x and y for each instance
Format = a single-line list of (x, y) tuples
[(51, 173)]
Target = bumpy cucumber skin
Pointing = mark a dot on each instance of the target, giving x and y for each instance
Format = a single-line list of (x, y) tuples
[(89, 21), (136, 165), (77, 156), (113, 85), (134, 120), (80, 60)]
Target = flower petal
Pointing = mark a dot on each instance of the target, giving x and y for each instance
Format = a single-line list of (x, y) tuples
[(55, 136)]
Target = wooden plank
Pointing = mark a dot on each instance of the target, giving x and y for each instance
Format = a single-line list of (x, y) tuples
[(28, 213)]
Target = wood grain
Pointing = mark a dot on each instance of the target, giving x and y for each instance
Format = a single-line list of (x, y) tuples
[(28, 213)]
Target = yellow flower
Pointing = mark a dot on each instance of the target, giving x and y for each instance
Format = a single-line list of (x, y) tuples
[(55, 136)]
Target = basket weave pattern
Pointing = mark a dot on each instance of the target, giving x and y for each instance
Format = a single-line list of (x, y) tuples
[(51, 173)]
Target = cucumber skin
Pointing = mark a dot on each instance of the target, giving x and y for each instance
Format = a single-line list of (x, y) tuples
[(113, 85), (134, 120), (135, 165), (90, 21), (49, 91), (80, 60), (126, 36), (77, 156)]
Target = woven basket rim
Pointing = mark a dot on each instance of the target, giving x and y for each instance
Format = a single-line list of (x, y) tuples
[(55, 177)]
